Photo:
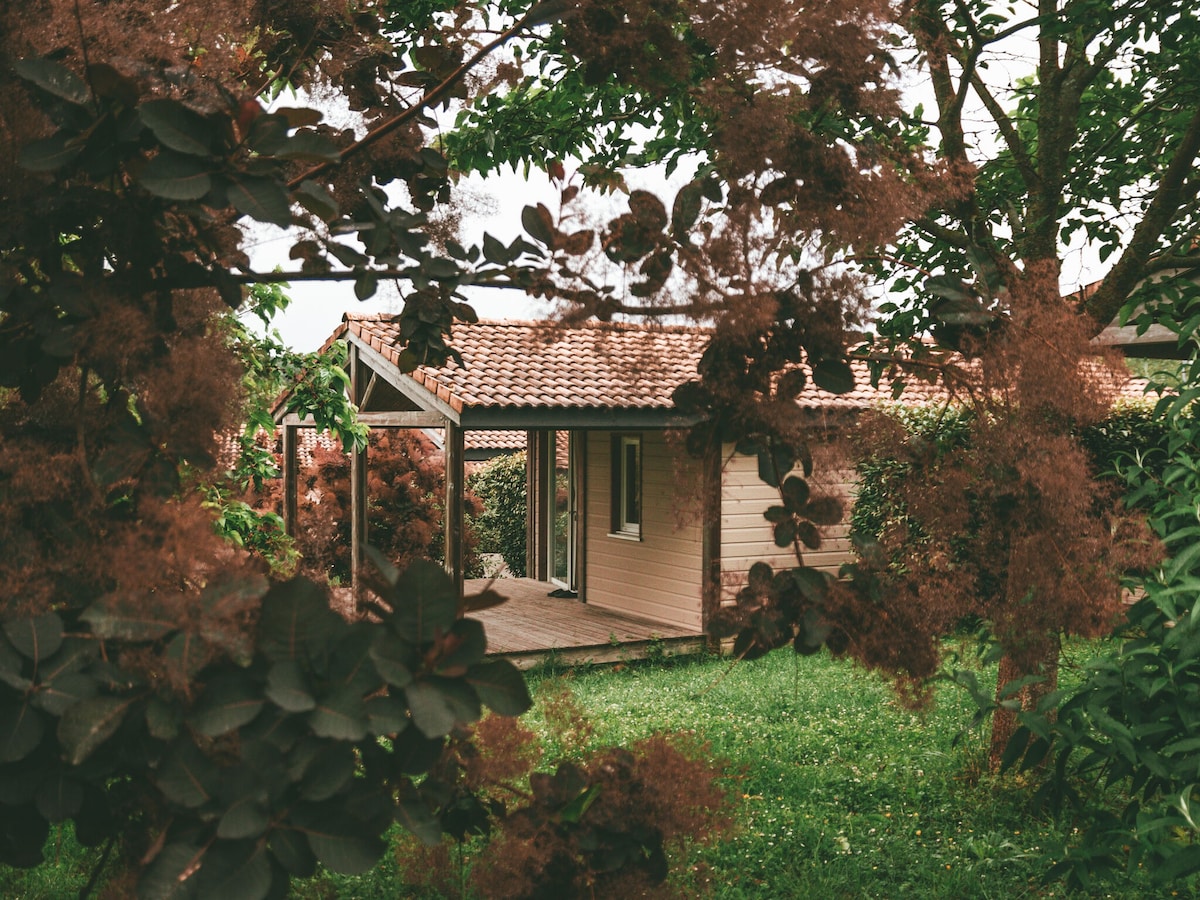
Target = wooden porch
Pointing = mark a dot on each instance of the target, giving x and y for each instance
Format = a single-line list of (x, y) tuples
[(532, 627)]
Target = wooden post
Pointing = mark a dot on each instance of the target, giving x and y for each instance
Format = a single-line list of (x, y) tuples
[(358, 518), (531, 494), (579, 449), (289, 479), (358, 486), (455, 474), (710, 552)]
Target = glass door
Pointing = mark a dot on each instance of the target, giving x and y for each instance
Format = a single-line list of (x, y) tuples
[(561, 509)]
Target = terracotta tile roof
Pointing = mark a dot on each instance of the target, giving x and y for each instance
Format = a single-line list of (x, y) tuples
[(533, 364), (590, 366), (515, 364)]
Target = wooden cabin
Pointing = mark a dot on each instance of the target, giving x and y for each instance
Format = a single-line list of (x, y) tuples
[(620, 518)]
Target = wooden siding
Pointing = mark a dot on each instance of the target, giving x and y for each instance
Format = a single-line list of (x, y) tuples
[(659, 577), (746, 537)]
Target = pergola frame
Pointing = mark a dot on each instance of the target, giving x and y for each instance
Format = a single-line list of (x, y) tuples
[(388, 398)]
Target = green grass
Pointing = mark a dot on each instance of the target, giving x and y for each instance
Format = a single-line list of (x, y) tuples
[(839, 791)]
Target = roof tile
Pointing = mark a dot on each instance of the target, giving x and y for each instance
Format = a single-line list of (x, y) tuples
[(590, 366)]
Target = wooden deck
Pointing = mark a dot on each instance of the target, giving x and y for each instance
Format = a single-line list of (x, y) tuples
[(532, 627)]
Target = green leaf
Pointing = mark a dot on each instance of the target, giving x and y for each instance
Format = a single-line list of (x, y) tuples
[(365, 285), (288, 688), (686, 210), (187, 777), (791, 384), (317, 200), (577, 808), (268, 133), (495, 252), (60, 694), (342, 715), (21, 731), (328, 772), (342, 844), (246, 817), (949, 287), (229, 702), (833, 375), (310, 146), (163, 719), (175, 176), (774, 463), (87, 725), (50, 154), (235, 871), (424, 601), (167, 876), (295, 621), (824, 511), (466, 644), (539, 223), (11, 666), (54, 79), (261, 198), (809, 536), (177, 127), (291, 850), (386, 716), (393, 658), (414, 814), (1181, 863), (795, 493), (813, 583), (785, 533), (438, 704), (35, 638), (501, 686)]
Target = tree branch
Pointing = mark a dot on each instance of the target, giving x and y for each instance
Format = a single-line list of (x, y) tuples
[(430, 98), (1174, 190)]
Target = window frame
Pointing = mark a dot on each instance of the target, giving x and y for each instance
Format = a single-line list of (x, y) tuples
[(622, 490)]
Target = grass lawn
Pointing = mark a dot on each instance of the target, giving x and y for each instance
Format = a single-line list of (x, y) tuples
[(839, 791)]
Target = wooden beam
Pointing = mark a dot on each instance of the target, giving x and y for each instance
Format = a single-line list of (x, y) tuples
[(381, 419), (401, 419), (366, 395), (455, 476), (420, 396), (290, 479)]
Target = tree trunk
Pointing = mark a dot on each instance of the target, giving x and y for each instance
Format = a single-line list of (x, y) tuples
[(1004, 722)]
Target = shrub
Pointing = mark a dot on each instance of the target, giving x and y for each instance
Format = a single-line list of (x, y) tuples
[(405, 501), (501, 526)]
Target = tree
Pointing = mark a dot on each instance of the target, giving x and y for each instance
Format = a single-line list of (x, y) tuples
[(151, 678), (1090, 136)]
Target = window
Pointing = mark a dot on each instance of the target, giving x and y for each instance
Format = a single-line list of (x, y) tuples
[(627, 485)]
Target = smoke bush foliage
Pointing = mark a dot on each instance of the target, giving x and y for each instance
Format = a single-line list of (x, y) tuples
[(405, 492), (500, 526), (1132, 431)]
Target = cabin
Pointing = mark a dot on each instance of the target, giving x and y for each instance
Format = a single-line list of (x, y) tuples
[(616, 515), (627, 535)]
